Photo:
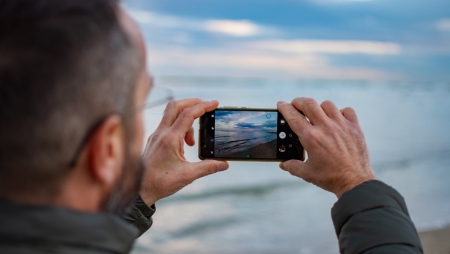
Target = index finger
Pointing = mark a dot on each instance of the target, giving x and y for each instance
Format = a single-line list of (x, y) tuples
[(297, 122), (311, 108), (173, 110), (187, 117)]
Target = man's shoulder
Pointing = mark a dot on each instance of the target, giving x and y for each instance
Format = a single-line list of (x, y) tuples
[(47, 229)]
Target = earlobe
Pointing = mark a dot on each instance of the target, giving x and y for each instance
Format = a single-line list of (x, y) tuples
[(106, 152)]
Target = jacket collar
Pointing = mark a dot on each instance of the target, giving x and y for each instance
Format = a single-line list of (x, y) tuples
[(62, 227)]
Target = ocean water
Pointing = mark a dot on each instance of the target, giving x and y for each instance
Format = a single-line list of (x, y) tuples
[(229, 142), (258, 208)]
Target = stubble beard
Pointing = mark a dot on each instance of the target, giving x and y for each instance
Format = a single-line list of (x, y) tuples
[(126, 190)]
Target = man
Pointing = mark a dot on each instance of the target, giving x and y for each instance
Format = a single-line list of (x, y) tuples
[(73, 81)]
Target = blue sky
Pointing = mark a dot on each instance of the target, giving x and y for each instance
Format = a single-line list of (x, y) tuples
[(298, 39), (246, 121)]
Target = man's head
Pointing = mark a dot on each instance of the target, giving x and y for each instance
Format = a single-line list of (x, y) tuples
[(72, 74)]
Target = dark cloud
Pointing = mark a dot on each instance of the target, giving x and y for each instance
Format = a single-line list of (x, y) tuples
[(267, 125)]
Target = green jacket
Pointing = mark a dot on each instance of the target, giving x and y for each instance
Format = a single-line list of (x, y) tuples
[(46, 229), (371, 218)]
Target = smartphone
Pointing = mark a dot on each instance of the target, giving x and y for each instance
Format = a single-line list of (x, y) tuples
[(244, 134)]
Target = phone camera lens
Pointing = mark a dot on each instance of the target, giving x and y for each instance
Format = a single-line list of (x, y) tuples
[(212, 140)]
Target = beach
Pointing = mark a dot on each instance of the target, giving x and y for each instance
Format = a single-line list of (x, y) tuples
[(254, 207), (265, 150), (436, 241)]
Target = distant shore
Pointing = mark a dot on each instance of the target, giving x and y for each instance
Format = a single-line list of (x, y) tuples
[(436, 241), (265, 150)]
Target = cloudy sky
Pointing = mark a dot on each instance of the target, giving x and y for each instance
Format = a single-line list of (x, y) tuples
[(306, 39), (246, 121)]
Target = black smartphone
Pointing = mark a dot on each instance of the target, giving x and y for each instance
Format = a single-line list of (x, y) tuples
[(245, 134)]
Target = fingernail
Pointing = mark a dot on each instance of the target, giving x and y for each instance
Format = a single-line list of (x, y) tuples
[(223, 167), (282, 166), (280, 102)]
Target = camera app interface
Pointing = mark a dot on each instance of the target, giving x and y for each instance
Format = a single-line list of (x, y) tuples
[(245, 134)]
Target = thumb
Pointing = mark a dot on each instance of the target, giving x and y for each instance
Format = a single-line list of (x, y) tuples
[(295, 167), (208, 167)]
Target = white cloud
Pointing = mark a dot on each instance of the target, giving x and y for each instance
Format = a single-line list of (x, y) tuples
[(235, 28), (443, 24), (232, 62), (328, 47), (241, 28)]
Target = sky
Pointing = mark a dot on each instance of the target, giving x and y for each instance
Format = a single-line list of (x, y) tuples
[(246, 121), (297, 39)]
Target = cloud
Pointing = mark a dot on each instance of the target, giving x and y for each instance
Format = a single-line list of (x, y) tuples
[(237, 57), (443, 24), (234, 28), (243, 28), (328, 47), (230, 118), (269, 125), (245, 62)]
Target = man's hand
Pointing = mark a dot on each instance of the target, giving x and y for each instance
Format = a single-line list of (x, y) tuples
[(166, 169), (338, 159)]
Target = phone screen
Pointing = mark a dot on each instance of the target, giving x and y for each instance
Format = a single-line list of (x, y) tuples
[(248, 135), (251, 134)]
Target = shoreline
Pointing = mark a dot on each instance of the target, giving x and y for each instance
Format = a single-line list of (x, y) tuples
[(436, 241), (264, 150)]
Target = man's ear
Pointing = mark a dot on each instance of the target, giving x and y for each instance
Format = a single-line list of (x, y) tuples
[(106, 152)]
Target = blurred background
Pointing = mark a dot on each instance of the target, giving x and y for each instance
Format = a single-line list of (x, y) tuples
[(390, 60)]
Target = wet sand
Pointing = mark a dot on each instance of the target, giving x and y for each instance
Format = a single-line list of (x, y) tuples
[(436, 241), (266, 150)]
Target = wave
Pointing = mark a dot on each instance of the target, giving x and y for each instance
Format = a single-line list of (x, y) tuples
[(405, 163), (233, 141), (204, 226), (255, 190)]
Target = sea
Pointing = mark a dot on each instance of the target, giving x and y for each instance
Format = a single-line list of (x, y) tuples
[(254, 207), (229, 142)]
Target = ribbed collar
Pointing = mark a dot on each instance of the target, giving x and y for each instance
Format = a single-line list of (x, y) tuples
[(60, 227)]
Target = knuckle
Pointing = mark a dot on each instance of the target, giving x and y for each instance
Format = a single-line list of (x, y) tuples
[(171, 105), (166, 139), (311, 136), (326, 103), (309, 102), (187, 112), (187, 177), (350, 109), (296, 121), (210, 169)]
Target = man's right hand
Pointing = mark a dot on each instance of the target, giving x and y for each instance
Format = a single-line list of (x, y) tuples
[(166, 169), (338, 159)]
